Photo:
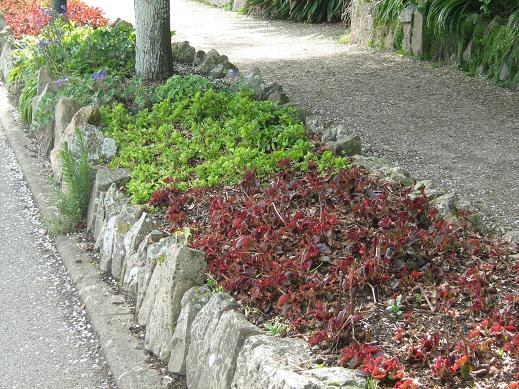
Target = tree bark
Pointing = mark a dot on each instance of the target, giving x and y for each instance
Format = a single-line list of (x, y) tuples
[(154, 59), (59, 7)]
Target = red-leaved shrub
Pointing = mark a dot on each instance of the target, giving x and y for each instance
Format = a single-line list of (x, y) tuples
[(327, 253), (28, 17)]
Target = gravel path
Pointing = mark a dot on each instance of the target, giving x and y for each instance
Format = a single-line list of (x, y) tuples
[(45, 339), (436, 122)]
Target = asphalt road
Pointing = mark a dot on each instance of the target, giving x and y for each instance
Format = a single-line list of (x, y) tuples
[(45, 340)]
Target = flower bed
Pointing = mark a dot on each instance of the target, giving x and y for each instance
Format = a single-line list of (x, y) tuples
[(28, 17), (370, 277)]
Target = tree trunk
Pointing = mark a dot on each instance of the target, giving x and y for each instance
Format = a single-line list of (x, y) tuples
[(59, 7), (154, 59)]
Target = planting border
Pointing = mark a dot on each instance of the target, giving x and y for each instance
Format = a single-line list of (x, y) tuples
[(197, 332)]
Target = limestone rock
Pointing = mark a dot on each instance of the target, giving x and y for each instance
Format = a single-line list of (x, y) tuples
[(474, 217), (337, 377), (253, 80), (407, 30), (342, 141), (274, 93), (362, 22), (5, 58), (211, 59), (105, 177), (130, 220), (232, 78), (467, 53), (183, 52), (417, 34), (136, 263), (238, 5), (65, 110), (99, 148), (446, 204), (315, 124), (199, 58), (218, 72), (44, 136), (271, 362), (85, 115), (36, 101), (192, 302), (430, 191), (110, 204), (202, 356), (155, 253), (214, 65), (383, 168), (5, 35), (112, 249), (505, 72), (128, 242), (45, 78), (181, 269), (406, 16)]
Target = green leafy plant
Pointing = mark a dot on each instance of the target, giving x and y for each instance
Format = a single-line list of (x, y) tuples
[(387, 11), (70, 50), (212, 283), (65, 48), (315, 11), (276, 327), (371, 383), (199, 138), (29, 92), (395, 305), (78, 177)]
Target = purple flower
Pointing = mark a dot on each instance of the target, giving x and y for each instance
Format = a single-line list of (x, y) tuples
[(64, 7), (62, 81), (233, 73), (99, 76), (42, 44)]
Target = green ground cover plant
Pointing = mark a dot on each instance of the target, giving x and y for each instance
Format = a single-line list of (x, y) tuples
[(200, 136), (74, 51)]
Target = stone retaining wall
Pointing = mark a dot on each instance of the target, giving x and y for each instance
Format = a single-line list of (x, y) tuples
[(196, 332), (408, 35)]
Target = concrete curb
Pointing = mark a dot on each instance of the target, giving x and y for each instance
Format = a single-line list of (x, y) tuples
[(111, 322)]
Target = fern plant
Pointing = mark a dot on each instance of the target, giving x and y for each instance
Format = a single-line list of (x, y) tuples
[(78, 177)]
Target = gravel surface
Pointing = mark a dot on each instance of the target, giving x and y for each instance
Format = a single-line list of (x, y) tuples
[(436, 122), (45, 339)]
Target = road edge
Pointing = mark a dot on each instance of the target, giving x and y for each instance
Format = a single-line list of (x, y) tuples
[(110, 319)]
